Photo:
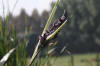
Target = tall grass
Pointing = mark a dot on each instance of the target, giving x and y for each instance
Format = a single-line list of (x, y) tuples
[(9, 41)]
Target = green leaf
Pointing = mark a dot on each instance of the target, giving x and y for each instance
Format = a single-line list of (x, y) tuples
[(51, 17), (54, 33)]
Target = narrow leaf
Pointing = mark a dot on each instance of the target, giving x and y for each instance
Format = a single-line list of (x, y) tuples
[(5, 58), (51, 17), (54, 33)]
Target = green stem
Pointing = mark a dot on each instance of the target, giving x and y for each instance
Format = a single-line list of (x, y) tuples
[(51, 17), (36, 51)]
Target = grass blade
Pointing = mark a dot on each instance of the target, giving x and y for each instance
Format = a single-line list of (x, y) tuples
[(51, 16), (53, 34), (5, 58)]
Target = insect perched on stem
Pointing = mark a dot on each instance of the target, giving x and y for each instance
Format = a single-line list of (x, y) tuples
[(53, 28), (49, 32)]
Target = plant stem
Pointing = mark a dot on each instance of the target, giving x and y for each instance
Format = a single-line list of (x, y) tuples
[(36, 51), (50, 17)]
